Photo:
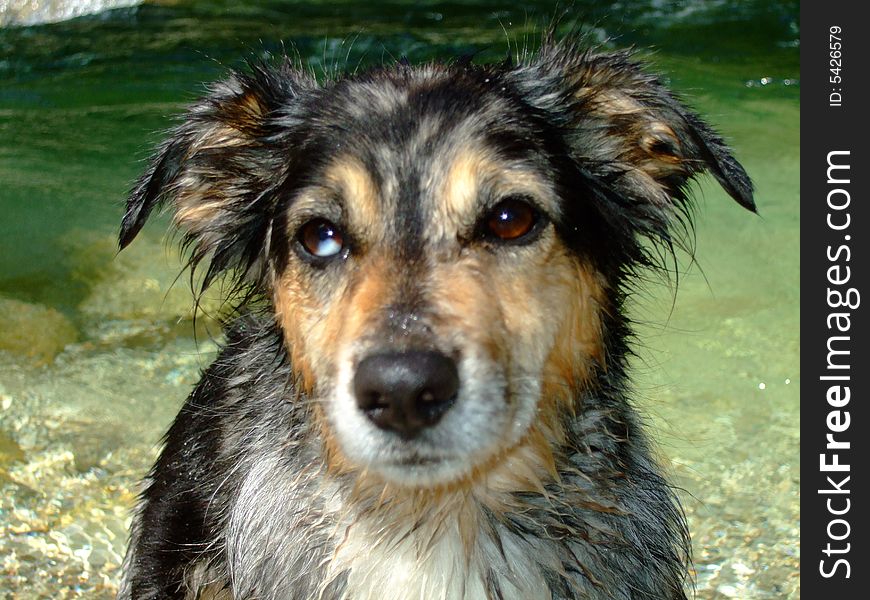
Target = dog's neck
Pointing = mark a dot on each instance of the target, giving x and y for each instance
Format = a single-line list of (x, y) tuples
[(451, 541)]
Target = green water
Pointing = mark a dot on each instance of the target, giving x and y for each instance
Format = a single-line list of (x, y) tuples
[(97, 351)]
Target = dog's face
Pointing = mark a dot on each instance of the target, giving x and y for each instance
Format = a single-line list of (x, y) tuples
[(442, 245), (426, 295)]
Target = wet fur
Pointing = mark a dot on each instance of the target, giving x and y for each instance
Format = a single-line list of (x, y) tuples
[(543, 484)]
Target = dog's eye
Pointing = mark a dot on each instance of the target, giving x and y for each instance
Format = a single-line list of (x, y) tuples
[(511, 220), (321, 238)]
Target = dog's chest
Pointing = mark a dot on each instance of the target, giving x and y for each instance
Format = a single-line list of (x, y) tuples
[(289, 539), (440, 560)]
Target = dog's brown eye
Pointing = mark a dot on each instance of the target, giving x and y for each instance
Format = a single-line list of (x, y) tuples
[(511, 219), (321, 238)]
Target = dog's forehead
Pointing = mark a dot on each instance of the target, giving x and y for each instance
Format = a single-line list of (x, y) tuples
[(399, 118), (392, 95), (421, 145)]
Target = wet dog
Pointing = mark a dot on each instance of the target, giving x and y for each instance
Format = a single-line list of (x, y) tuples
[(424, 392)]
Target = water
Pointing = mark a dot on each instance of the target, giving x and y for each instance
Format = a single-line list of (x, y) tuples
[(97, 351)]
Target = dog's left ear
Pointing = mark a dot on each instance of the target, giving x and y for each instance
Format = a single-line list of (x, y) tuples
[(217, 169), (628, 130)]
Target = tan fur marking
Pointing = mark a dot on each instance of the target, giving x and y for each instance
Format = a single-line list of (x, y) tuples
[(460, 194), (314, 331), (353, 316), (199, 199), (244, 114), (356, 185), (464, 308), (474, 166), (291, 312), (193, 211), (220, 136), (656, 131), (638, 148), (579, 342), (656, 163), (251, 105), (609, 102), (578, 347), (310, 340), (565, 298)]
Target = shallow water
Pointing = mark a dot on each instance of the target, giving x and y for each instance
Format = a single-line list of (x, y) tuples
[(97, 351)]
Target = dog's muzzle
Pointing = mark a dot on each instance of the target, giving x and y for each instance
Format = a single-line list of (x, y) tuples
[(406, 392)]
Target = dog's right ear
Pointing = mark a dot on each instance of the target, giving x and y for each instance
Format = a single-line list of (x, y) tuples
[(216, 167), (630, 132)]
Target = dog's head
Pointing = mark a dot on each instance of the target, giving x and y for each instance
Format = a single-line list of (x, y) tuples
[(443, 246)]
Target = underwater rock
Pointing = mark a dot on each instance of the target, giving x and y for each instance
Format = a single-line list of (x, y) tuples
[(34, 331), (142, 283)]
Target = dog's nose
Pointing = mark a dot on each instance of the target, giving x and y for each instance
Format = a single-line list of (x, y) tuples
[(406, 392)]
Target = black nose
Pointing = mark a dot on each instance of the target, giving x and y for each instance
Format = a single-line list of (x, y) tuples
[(406, 392)]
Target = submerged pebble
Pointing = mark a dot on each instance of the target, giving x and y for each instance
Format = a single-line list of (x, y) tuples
[(145, 283), (33, 331)]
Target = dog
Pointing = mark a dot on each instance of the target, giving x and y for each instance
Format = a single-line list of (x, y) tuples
[(423, 390)]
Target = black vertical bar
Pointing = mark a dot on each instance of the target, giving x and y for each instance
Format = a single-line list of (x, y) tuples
[(835, 222)]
